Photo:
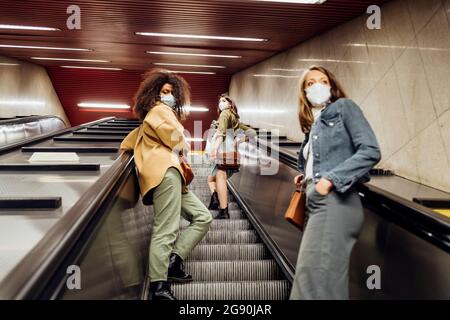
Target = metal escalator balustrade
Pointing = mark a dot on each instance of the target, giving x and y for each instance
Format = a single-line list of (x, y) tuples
[(98, 233), (46, 208), (16, 130)]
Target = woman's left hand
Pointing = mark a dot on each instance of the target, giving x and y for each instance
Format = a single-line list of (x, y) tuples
[(213, 155), (324, 186)]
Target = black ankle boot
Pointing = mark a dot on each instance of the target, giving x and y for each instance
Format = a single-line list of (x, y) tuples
[(214, 202), (160, 290), (176, 272), (223, 214)]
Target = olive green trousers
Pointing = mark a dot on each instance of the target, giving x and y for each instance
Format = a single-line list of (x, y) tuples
[(169, 204)]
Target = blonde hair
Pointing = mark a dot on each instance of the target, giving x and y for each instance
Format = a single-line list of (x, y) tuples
[(305, 115)]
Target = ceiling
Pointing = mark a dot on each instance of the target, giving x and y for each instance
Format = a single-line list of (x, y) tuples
[(108, 28), (75, 86)]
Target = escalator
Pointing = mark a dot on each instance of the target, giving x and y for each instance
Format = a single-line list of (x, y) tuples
[(231, 262), (46, 208), (85, 221)]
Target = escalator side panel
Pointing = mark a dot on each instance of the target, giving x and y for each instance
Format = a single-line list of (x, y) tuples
[(113, 264), (411, 267)]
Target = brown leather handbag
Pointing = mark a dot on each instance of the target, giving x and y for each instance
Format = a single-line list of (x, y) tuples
[(187, 170), (230, 160), (295, 213)]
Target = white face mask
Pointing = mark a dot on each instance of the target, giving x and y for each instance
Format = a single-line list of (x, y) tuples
[(318, 94), (224, 105), (169, 100)]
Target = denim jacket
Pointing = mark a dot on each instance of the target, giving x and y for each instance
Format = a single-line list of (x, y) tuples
[(344, 146)]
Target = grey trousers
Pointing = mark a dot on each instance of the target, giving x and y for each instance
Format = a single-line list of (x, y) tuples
[(334, 223)]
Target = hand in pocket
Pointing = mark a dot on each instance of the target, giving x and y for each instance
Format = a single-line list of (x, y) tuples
[(323, 187)]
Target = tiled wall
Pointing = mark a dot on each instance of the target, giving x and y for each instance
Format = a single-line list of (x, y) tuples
[(26, 89), (399, 75)]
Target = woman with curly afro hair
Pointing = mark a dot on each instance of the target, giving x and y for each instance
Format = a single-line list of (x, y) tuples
[(158, 144)]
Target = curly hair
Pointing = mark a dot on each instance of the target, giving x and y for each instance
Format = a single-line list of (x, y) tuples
[(148, 93)]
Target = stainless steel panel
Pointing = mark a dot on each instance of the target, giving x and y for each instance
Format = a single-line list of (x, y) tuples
[(11, 132), (407, 189), (411, 268), (22, 230), (14, 133), (113, 265), (32, 129)]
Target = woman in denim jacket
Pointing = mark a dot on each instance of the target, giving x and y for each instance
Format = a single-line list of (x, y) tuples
[(338, 151)]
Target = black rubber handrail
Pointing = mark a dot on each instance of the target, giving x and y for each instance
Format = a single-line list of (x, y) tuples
[(113, 124), (89, 139), (72, 149), (126, 122), (429, 225), (30, 203), (432, 202), (37, 167), (289, 144), (109, 127), (32, 275), (99, 132)]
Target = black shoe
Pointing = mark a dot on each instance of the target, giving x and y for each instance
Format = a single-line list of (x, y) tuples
[(160, 290), (176, 270), (223, 214), (214, 202)]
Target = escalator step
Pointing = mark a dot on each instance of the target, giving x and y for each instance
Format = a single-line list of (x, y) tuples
[(234, 214), (205, 196), (222, 252), (221, 237), (230, 263), (243, 270), (231, 205), (251, 290), (232, 224), (203, 191)]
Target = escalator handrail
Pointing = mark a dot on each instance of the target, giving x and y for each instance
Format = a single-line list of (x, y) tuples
[(29, 277), (39, 138), (432, 227), (286, 267), (28, 119)]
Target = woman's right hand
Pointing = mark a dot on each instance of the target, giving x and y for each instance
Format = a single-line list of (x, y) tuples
[(299, 180)]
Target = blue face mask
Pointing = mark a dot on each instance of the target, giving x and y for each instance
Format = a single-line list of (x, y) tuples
[(169, 100)]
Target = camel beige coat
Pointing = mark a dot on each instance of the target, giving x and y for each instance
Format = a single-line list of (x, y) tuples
[(156, 144)]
